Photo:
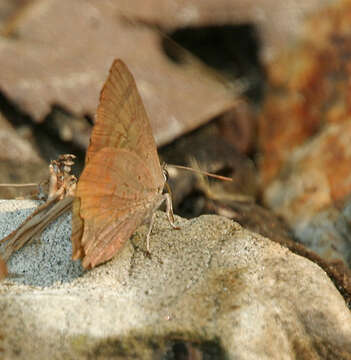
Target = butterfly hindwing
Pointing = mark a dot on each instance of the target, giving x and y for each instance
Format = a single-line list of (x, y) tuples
[(116, 193)]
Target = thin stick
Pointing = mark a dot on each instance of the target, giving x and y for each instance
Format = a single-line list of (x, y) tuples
[(220, 177), (19, 185)]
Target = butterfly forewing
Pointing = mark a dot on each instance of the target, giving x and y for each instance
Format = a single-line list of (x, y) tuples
[(121, 120)]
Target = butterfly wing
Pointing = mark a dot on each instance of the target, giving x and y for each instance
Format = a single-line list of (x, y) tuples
[(3, 269), (115, 194), (121, 121)]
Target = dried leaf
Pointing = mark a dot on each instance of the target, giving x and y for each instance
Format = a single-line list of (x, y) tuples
[(55, 42), (278, 22), (18, 162)]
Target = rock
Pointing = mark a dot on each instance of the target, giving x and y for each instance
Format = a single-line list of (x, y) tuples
[(211, 288), (308, 88), (307, 190), (305, 131), (46, 260)]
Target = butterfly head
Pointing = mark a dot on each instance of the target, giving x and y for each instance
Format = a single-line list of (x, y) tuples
[(165, 171)]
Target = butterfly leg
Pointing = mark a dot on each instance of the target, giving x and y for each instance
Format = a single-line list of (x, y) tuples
[(169, 210), (151, 223)]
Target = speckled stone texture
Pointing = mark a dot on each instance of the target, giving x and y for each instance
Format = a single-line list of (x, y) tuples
[(46, 260), (211, 288)]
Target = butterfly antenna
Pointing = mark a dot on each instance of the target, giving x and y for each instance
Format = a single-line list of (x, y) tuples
[(198, 171)]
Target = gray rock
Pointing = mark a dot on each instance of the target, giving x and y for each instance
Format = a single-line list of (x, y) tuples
[(46, 260), (210, 288), (312, 192), (328, 233)]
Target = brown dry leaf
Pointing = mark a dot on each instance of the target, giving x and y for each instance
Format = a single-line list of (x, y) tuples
[(19, 162), (278, 22), (61, 55)]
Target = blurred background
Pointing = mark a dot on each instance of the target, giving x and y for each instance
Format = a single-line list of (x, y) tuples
[(259, 91)]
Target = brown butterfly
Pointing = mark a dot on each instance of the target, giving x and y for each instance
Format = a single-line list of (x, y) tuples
[(122, 183)]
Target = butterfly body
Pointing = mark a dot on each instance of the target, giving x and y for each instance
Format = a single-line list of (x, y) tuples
[(122, 183)]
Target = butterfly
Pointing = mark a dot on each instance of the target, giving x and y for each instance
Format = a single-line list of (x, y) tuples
[(122, 183)]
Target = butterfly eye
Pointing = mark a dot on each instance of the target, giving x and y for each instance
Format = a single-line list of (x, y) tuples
[(165, 174)]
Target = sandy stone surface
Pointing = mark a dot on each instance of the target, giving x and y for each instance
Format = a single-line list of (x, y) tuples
[(46, 260), (211, 288)]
